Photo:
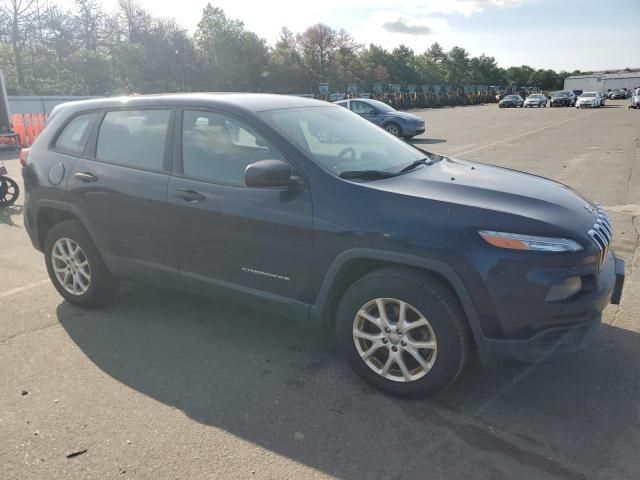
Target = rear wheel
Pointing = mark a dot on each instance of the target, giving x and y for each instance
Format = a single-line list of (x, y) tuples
[(75, 266), (403, 332)]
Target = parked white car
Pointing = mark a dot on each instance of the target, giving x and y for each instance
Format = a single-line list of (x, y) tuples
[(536, 100), (588, 99)]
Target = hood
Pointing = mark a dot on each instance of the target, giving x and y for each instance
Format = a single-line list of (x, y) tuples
[(552, 205), (406, 116)]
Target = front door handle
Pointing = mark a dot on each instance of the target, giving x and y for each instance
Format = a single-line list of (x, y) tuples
[(86, 177), (189, 195)]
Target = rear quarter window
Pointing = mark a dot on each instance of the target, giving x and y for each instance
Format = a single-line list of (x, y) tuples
[(73, 137)]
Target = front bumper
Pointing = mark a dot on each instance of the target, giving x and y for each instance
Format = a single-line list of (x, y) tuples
[(413, 130), (558, 329)]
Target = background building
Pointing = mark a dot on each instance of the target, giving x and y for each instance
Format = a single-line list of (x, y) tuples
[(602, 81)]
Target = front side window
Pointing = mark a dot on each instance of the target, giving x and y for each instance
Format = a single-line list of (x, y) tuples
[(75, 134), (340, 141), (362, 108), (218, 148), (134, 138)]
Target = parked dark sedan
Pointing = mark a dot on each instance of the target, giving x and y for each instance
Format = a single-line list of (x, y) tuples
[(562, 99), (618, 94), (511, 101), (400, 124)]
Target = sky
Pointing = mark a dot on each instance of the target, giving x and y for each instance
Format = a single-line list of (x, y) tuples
[(557, 34)]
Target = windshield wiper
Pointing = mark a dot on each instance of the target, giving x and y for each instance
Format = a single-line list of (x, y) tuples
[(417, 163), (367, 174)]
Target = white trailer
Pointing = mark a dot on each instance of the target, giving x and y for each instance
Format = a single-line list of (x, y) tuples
[(603, 81)]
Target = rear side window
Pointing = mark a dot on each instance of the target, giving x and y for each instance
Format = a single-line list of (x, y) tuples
[(73, 137), (134, 138)]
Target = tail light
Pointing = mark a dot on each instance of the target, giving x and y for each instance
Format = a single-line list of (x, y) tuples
[(24, 154)]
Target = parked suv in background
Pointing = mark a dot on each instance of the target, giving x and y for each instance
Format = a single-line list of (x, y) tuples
[(303, 208)]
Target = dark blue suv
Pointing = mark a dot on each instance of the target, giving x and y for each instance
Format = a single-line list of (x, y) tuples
[(305, 209)]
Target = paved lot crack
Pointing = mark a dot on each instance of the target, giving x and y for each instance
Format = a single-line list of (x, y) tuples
[(44, 327), (632, 266)]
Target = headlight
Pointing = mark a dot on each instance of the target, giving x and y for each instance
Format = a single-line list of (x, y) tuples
[(515, 241)]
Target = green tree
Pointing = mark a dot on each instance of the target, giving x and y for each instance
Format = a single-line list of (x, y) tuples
[(230, 57), (457, 66)]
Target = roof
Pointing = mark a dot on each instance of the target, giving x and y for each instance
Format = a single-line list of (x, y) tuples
[(609, 75), (252, 102)]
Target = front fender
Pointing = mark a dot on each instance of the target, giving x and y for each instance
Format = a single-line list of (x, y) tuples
[(320, 311)]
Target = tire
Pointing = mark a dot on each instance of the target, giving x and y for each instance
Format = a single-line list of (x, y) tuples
[(9, 191), (394, 129), (427, 299), (99, 287)]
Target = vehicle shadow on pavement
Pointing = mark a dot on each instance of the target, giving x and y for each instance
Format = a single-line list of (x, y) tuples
[(7, 214), (284, 387), (427, 141)]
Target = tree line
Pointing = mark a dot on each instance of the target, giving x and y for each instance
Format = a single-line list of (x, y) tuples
[(49, 50)]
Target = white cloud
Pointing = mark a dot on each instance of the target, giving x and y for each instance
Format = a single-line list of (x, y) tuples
[(403, 26)]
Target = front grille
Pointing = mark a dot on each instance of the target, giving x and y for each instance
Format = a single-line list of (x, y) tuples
[(601, 233)]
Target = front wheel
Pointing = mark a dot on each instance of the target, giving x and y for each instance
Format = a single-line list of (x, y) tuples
[(394, 129), (9, 191), (75, 266), (403, 332)]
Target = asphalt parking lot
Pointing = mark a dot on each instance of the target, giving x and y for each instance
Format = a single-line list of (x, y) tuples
[(162, 384)]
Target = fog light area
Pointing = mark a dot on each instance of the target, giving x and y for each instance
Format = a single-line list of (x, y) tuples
[(568, 287)]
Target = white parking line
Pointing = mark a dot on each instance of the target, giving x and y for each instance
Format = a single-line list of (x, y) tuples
[(532, 132), (13, 291)]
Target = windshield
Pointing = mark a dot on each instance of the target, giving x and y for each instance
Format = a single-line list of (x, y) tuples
[(341, 141), (511, 97), (590, 94), (536, 96), (561, 94)]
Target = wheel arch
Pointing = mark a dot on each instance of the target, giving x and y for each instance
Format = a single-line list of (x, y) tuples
[(50, 213), (353, 264)]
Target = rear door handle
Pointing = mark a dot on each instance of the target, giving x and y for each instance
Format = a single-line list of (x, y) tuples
[(189, 195), (86, 177)]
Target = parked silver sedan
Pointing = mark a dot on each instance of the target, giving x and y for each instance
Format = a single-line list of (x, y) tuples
[(536, 100)]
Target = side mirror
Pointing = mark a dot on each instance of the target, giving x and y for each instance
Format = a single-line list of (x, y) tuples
[(268, 174)]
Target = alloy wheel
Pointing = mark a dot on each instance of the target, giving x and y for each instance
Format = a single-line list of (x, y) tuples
[(393, 130), (71, 266), (394, 339)]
